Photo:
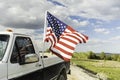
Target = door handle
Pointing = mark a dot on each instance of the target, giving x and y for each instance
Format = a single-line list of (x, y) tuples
[(38, 65)]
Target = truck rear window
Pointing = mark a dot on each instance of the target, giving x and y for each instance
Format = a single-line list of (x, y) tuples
[(3, 44)]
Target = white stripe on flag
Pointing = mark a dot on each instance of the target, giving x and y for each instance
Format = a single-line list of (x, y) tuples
[(68, 42), (61, 53), (67, 30), (64, 48), (82, 36), (53, 41), (71, 38)]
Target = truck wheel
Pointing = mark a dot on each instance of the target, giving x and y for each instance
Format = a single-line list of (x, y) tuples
[(61, 77)]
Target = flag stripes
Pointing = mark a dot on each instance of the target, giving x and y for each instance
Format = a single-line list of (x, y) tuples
[(63, 38)]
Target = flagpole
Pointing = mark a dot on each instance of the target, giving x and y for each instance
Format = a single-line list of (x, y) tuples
[(44, 35), (45, 23)]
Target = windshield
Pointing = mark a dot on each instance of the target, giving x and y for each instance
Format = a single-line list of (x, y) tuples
[(3, 44)]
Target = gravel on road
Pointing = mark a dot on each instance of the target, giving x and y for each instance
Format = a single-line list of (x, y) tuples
[(79, 74)]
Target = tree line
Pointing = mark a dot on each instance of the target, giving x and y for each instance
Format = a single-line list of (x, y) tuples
[(98, 56)]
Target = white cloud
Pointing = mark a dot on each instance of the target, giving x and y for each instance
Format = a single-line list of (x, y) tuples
[(30, 13), (116, 38), (84, 23), (99, 9), (99, 45), (118, 28), (102, 30), (77, 23), (95, 41), (27, 14)]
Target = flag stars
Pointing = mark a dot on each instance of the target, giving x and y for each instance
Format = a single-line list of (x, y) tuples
[(57, 26), (58, 22)]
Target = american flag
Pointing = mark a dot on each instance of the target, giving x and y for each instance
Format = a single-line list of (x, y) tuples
[(63, 38)]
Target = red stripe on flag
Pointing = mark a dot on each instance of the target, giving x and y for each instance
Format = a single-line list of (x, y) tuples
[(66, 45), (52, 37), (86, 37), (74, 42), (65, 59), (83, 37), (74, 37), (71, 29), (62, 50)]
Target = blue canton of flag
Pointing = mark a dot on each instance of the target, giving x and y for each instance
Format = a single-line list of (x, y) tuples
[(58, 27)]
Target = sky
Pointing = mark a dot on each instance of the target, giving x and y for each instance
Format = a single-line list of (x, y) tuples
[(98, 19)]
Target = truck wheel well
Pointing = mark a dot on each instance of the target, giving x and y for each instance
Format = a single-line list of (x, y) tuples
[(63, 72)]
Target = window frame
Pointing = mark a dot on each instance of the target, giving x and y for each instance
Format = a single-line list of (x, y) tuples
[(6, 44), (18, 50)]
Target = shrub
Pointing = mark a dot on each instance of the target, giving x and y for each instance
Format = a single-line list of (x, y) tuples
[(108, 57), (102, 56), (91, 55), (115, 57), (118, 59)]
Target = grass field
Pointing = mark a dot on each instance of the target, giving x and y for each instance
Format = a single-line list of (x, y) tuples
[(110, 69)]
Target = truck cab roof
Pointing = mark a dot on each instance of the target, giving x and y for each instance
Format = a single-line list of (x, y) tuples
[(13, 33)]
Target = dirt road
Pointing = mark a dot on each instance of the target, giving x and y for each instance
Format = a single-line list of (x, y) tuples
[(79, 74)]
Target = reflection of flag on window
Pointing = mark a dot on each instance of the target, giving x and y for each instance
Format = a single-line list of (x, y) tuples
[(63, 38)]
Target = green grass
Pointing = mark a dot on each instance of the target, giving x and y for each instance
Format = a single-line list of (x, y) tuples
[(111, 69)]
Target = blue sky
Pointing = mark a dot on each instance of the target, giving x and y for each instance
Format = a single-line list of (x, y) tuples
[(99, 19)]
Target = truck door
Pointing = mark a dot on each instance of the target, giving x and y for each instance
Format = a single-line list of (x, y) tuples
[(24, 63)]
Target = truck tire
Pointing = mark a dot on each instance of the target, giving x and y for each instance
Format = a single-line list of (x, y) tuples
[(61, 77)]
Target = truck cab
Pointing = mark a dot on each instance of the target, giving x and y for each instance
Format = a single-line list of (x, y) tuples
[(20, 59)]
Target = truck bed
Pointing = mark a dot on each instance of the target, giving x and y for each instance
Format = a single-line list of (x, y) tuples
[(52, 60)]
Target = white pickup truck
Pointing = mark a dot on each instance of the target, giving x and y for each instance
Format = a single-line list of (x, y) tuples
[(20, 59)]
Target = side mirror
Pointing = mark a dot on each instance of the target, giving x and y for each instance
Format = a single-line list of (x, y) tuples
[(31, 58)]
